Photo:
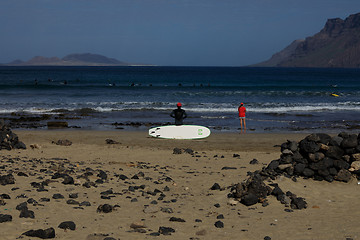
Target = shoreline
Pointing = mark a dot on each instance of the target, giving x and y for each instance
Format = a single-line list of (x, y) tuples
[(131, 120), (230, 141)]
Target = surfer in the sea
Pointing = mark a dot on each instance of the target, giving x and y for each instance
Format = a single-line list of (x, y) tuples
[(242, 111), (179, 114)]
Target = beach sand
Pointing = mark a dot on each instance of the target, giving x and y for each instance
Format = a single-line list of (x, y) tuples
[(167, 186)]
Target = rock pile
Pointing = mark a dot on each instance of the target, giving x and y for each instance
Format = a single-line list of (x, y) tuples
[(320, 157), (251, 191), (254, 190), (8, 139)]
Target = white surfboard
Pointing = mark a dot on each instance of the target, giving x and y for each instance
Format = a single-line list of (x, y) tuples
[(180, 132)]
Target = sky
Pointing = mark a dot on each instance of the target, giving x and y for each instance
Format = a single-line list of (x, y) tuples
[(163, 32)]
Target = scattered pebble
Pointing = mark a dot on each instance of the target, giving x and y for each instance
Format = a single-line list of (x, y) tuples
[(219, 224)]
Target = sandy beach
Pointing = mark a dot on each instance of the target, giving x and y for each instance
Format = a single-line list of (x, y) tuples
[(150, 188)]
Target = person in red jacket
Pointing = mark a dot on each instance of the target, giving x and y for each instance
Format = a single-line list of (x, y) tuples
[(242, 111)]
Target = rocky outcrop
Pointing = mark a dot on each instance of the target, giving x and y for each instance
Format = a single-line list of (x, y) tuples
[(336, 45)]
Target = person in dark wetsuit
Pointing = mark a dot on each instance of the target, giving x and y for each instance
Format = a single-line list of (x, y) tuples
[(179, 114)]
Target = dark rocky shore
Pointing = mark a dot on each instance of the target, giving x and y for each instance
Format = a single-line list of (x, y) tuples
[(69, 120), (88, 118)]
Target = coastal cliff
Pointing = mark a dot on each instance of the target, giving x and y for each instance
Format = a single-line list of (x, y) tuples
[(336, 45)]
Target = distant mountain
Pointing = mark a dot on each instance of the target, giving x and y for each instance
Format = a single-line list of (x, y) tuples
[(336, 45), (16, 62), (39, 60), (92, 58), (84, 59)]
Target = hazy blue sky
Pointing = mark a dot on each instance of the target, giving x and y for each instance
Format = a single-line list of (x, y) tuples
[(163, 32)]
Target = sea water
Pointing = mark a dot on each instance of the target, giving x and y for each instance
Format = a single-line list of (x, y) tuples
[(277, 99)]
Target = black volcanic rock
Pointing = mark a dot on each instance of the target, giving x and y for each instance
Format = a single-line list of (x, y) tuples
[(216, 186), (68, 180), (175, 219), (8, 139), (5, 218), (249, 199), (7, 179), (334, 152), (317, 156), (105, 208), (350, 142), (320, 157), (252, 190), (298, 203), (343, 175), (219, 224), (166, 230), (26, 213), (67, 225), (40, 233)]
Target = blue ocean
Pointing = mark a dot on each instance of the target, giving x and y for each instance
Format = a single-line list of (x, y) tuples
[(138, 97)]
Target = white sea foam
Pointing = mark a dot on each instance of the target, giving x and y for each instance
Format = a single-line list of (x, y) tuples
[(306, 108), (27, 110), (109, 106), (214, 117)]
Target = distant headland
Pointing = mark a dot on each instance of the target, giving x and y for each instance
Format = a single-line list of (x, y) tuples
[(76, 59), (337, 45)]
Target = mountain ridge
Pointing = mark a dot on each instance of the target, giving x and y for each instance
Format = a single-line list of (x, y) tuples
[(74, 59), (337, 45)]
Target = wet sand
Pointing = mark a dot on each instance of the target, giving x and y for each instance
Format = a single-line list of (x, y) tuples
[(150, 185)]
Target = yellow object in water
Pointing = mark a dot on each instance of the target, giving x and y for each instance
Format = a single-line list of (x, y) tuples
[(335, 95)]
